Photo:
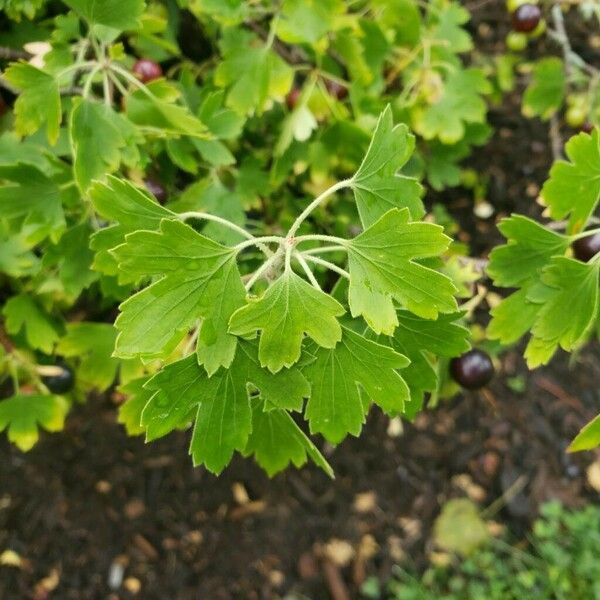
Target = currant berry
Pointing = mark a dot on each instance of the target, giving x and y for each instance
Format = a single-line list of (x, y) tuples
[(335, 89), (575, 116), (515, 41), (62, 382), (157, 189), (586, 248), (472, 370), (587, 127), (292, 98), (526, 18), (147, 70)]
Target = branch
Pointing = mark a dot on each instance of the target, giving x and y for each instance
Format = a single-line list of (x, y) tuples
[(5, 340), (7, 53)]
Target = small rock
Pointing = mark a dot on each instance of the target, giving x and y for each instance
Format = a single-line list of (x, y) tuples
[(132, 585), (134, 508), (365, 502)]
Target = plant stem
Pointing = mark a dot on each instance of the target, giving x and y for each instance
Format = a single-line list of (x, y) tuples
[(88, 82), (132, 79), (76, 67), (260, 242), (117, 83), (106, 89), (306, 269), (320, 238), (208, 217), (585, 234), (260, 271), (326, 264), (325, 249), (318, 200)]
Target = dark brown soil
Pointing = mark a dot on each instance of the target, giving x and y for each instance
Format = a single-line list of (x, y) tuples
[(85, 502), (94, 514)]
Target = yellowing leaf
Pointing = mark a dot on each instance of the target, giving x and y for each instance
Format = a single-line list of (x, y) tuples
[(24, 414)]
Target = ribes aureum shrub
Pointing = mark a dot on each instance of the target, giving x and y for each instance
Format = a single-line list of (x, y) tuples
[(217, 208)]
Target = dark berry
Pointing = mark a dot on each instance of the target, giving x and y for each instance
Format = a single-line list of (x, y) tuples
[(472, 370), (292, 98), (587, 127), (586, 248), (147, 70), (157, 189), (526, 18), (335, 89), (62, 382)]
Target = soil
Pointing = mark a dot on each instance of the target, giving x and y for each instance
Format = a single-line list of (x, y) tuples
[(93, 514)]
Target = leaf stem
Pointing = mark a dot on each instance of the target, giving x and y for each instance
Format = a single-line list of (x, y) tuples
[(76, 67), (325, 249), (132, 79), (315, 203), (326, 264), (226, 223), (585, 234), (316, 237), (306, 269), (88, 82), (260, 242), (261, 270)]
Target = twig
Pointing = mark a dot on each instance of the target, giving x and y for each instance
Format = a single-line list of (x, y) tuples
[(5, 341), (555, 138), (559, 34), (7, 53)]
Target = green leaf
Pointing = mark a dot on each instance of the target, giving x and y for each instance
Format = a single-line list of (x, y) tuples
[(421, 340), (403, 17), (133, 209), (154, 109), (276, 441), (252, 72), (23, 415), (307, 21), (460, 103), (530, 247), (73, 258), (220, 403), (573, 189), (588, 438), (39, 101), (211, 196), (200, 280), (119, 14), (41, 330), (222, 122), (130, 412), (287, 311), (32, 197), (99, 137), (383, 269), (513, 317), (545, 93), (92, 344), (377, 187), (16, 259), (568, 308), (447, 20), (336, 406)]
